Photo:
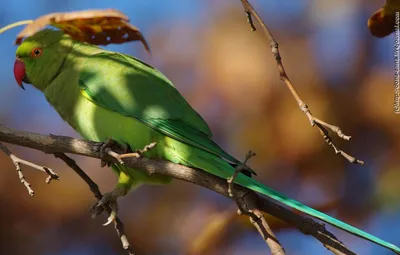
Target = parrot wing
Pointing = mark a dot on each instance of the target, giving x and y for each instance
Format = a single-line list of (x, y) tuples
[(133, 88)]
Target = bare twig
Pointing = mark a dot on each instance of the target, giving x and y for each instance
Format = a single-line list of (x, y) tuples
[(249, 208), (258, 220), (238, 170), (62, 144), (119, 226), (138, 153), (51, 175), (308, 225), (322, 126), (74, 166)]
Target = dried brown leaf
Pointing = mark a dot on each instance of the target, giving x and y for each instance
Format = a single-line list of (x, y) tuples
[(381, 25), (99, 27)]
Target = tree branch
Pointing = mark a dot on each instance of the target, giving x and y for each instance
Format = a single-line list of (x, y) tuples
[(118, 225), (258, 220), (251, 210), (51, 175), (322, 125), (61, 144)]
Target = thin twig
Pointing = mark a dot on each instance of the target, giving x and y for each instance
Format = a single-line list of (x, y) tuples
[(94, 188), (249, 208), (322, 126), (238, 169), (308, 225), (119, 226), (138, 153), (258, 220), (51, 175)]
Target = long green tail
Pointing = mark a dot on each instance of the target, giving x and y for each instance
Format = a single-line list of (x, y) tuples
[(219, 167), (258, 187)]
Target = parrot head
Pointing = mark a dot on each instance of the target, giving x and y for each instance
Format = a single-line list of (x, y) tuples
[(40, 57)]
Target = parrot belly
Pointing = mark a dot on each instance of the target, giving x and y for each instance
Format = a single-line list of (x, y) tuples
[(97, 123)]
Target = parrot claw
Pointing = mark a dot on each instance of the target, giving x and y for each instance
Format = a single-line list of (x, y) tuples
[(105, 149), (112, 218), (109, 220), (104, 163), (109, 199)]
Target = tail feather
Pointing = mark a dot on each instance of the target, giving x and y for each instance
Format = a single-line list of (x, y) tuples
[(264, 190)]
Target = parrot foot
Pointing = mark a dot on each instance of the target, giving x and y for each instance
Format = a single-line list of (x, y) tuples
[(113, 214), (109, 199), (105, 149)]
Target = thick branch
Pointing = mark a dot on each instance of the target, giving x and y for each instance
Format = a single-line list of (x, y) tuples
[(62, 144)]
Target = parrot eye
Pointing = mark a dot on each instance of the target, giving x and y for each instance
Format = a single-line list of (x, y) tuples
[(36, 52)]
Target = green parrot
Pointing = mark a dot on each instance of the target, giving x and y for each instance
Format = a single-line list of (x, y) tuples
[(108, 95)]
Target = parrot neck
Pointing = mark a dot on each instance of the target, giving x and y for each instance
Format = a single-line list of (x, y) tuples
[(63, 93)]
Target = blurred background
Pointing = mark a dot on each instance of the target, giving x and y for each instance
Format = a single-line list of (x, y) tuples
[(229, 76)]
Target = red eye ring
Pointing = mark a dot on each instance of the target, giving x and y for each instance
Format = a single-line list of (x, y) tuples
[(36, 52)]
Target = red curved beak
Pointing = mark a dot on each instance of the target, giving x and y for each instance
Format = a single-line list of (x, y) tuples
[(19, 72)]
